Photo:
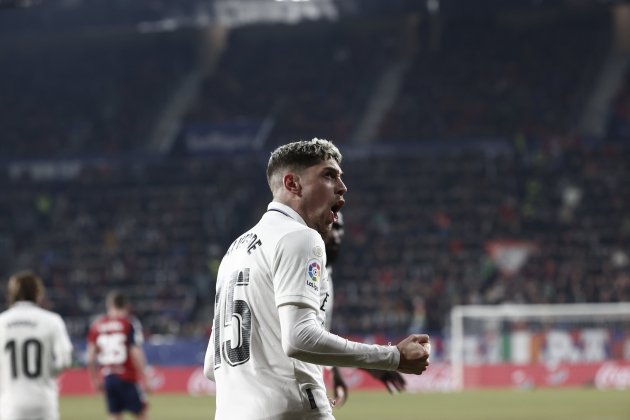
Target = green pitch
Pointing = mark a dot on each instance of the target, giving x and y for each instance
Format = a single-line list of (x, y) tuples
[(470, 405)]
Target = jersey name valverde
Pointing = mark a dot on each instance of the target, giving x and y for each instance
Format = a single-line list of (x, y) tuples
[(35, 347), (279, 261)]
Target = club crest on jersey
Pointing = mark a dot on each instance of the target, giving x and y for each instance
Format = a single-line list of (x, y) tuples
[(314, 273), (318, 251)]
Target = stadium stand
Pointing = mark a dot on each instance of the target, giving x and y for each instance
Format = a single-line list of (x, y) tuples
[(87, 95), (419, 224), (425, 224), (299, 92), (488, 195), (619, 120), (496, 77)]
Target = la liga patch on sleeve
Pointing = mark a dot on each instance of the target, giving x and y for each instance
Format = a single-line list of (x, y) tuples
[(313, 274)]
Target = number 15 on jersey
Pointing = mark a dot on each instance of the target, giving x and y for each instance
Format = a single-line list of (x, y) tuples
[(232, 321)]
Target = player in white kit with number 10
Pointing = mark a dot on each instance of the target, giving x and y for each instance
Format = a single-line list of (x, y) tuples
[(268, 339), (35, 348)]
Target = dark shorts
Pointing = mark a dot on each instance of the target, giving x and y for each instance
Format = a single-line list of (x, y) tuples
[(123, 396)]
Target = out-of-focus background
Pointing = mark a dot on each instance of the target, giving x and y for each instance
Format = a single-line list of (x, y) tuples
[(486, 150)]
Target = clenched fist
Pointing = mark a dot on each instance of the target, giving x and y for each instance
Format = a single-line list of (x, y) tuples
[(414, 354)]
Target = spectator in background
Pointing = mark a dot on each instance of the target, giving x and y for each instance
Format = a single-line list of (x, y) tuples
[(269, 337), (393, 381), (115, 343), (36, 349)]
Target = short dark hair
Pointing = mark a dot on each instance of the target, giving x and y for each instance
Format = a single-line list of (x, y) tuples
[(117, 299), (301, 154), (25, 286)]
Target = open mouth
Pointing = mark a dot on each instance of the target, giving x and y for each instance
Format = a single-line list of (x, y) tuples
[(336, 208)]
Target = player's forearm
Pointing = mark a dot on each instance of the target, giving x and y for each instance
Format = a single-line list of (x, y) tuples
[(62, 349), (139, 361), (92, 368), (63, 360), (304, 339), (93, 373), (208, 363)]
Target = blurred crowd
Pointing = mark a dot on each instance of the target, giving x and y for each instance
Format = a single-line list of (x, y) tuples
[(422, 233), (538, 224), (154, 229)]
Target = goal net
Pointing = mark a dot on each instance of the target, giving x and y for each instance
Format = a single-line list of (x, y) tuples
[(527, 346)]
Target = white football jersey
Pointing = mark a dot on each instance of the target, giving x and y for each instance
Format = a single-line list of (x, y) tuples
[(279, 261), (35, 347)]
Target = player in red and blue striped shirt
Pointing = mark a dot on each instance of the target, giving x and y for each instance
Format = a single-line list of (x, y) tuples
[(115, 345)]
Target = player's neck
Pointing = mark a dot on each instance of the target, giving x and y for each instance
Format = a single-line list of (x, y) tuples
[(116, 313)]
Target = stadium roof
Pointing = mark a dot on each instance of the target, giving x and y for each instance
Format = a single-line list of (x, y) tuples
[(32, 15)]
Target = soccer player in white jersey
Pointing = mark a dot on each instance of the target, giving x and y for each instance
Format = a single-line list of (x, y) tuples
[(35, 348), (268, 341)]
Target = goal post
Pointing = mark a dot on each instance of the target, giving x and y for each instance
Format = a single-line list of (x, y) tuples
[(520, 345)]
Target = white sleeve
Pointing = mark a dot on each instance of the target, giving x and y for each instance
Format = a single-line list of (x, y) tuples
[(305, 339), (62, 347), (208, 363), (298, 268)]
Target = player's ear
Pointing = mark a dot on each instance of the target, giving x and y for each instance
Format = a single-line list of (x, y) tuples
[(291, 182)]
